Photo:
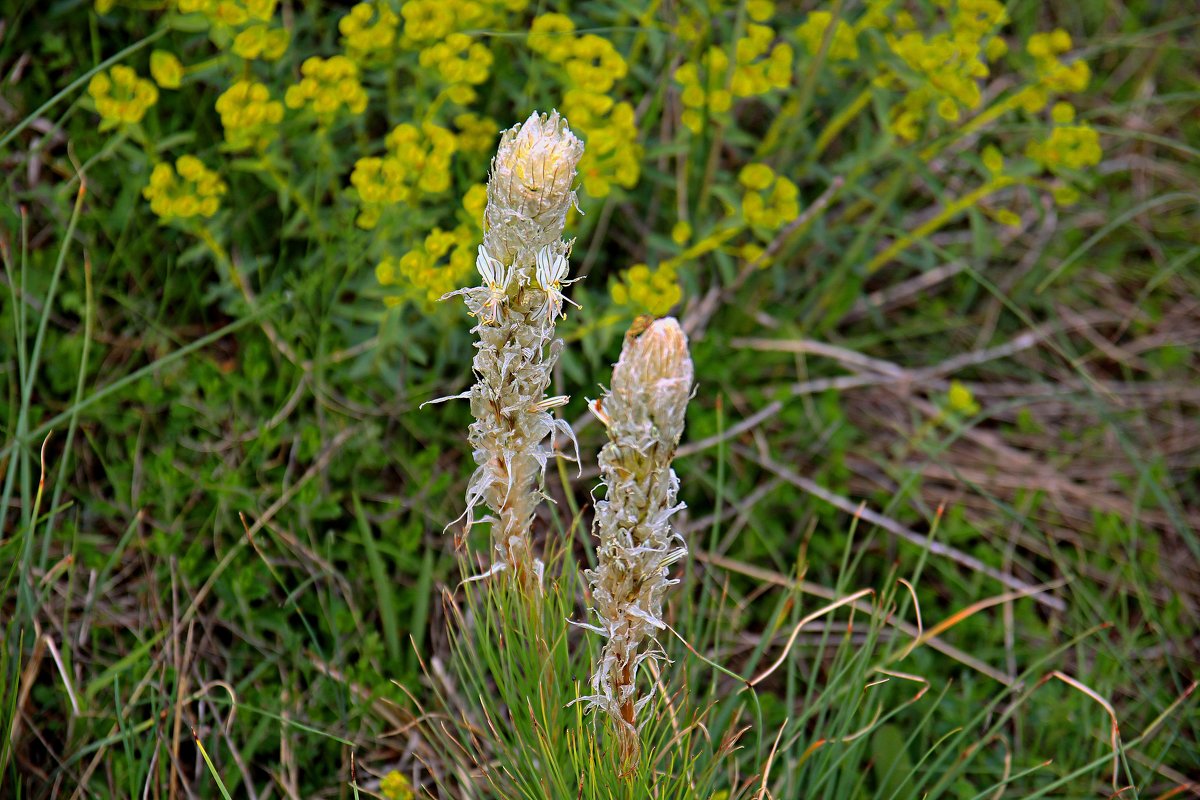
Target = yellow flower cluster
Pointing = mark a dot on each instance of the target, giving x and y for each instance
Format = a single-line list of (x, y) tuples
[(704, 94), (429, 21), (379, 182), (233, 13), (425, 153), (843, 46), (190, 189), (592, 66), (121, 96), (762, 64), (166, 69), (459, 62), (249, 115), (418, 162), (421, 273), (961, 400), (1055, 74), (369, 31), (257, 40), (327, 85), (648, 291), (395, 786), (945, 68), (1069, 145), (262, 42), (476, 134), (770, 201)]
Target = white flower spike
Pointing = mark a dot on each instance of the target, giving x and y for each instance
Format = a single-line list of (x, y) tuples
[(523, 267), (644, 413)]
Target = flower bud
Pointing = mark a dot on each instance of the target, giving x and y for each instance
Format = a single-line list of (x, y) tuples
[(654, 374), (530, 189)]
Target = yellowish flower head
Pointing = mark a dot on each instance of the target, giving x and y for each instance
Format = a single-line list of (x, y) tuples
[(166, 69), (260, 41), (395, 786), (327, 86), (534, 167), (369, 31), (843, 46), (190, 189), (1069, 147), (121, 96), (552, 37), (249, 115), (643, 290), (961, 400)]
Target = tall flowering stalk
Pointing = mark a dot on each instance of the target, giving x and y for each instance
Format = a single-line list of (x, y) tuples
[(644, 412), (523, 266)]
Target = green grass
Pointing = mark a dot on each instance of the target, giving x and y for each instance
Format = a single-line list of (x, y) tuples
[(223, 510)]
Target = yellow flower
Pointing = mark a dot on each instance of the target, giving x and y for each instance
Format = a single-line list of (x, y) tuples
[(709, 93), (395, 786), (756, 176), (1062, 113), (379, 182), (121, 97), (262, 42), (961, 400), (811, 32), (460, 62), (760, 10), (418, 162), (369, 31), (591, 66), (1069, 146), (327, 86), (551, 36), (993, 160), (760, 67), (426, 20), (476, 134), (474, 202), (1048, 45), (190, 189), (166, 69), (770, 200), (995, 49), (439, 242), (229, 13), (425, 279), (249, 115), (647, 291), (681, 233)]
